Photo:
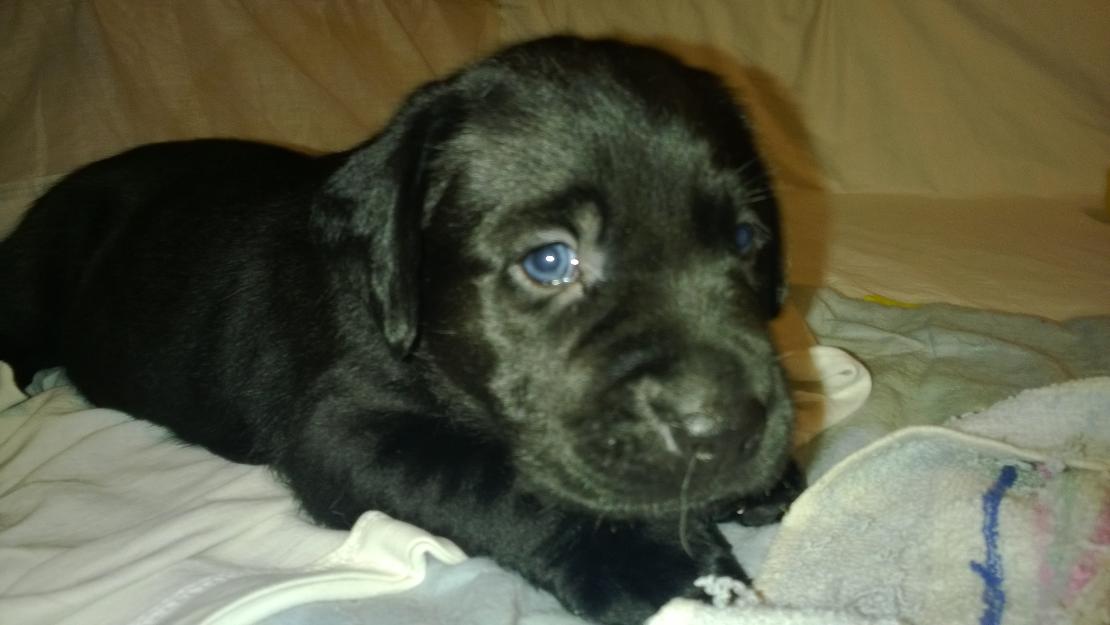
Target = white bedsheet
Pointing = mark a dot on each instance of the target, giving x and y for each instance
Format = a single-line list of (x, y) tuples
[(103, 520)]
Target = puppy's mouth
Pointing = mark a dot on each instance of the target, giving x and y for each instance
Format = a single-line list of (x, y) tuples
[(646, 468)]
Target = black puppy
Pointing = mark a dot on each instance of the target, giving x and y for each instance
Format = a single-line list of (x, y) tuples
[(530, 315)]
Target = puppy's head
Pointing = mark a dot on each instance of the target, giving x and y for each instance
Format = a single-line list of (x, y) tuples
[(579, 240)]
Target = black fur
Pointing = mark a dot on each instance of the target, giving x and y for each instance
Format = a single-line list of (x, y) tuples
[(361, 322)]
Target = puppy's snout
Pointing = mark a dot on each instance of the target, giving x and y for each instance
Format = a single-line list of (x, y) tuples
[(695, 418), (707, 437)]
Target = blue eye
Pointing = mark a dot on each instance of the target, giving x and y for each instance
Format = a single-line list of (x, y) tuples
[(552, 264), (745, 238)]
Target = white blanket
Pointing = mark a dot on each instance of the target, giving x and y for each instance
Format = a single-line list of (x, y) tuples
[(104, 520)]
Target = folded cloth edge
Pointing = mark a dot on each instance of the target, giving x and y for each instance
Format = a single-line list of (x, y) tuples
[(395, 564)]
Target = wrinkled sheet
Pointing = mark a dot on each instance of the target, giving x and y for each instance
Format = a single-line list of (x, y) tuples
[(105, 519), (948, 97)]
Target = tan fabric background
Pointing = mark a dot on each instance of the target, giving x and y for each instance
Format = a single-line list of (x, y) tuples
[(865, 107), (86, 78), (942, 97), (948, 97)]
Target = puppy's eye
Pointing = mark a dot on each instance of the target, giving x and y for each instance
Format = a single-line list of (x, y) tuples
[(552, 264), (745, 238)]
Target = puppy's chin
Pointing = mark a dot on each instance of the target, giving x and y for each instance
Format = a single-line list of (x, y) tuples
[(617, 499)]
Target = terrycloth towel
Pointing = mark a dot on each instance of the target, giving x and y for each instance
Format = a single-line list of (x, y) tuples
[(1000, 518)]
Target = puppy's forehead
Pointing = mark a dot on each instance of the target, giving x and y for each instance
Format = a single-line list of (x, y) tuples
[(564, 152), (542, 137)]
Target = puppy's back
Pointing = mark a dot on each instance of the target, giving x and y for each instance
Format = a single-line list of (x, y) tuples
[(61, 239)]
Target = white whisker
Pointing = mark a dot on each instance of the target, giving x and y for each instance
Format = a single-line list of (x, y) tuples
[(683, 499)]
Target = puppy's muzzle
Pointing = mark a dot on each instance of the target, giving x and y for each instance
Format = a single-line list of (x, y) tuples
[(692, 418), (694, 413), (670, 416)]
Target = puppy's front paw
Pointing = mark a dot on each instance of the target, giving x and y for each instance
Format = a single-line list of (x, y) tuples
[(771, 507), (635, 572)]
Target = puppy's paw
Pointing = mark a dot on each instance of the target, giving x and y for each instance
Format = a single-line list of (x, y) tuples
[(630, 577), (771, 507)]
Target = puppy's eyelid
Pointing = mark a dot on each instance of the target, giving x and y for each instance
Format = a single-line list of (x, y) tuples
[(555, 234)]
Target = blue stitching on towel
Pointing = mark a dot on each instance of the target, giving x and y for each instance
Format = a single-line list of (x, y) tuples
[(991, 572)]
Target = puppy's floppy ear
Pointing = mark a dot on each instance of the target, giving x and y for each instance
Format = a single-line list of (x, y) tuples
[(368, 214)]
